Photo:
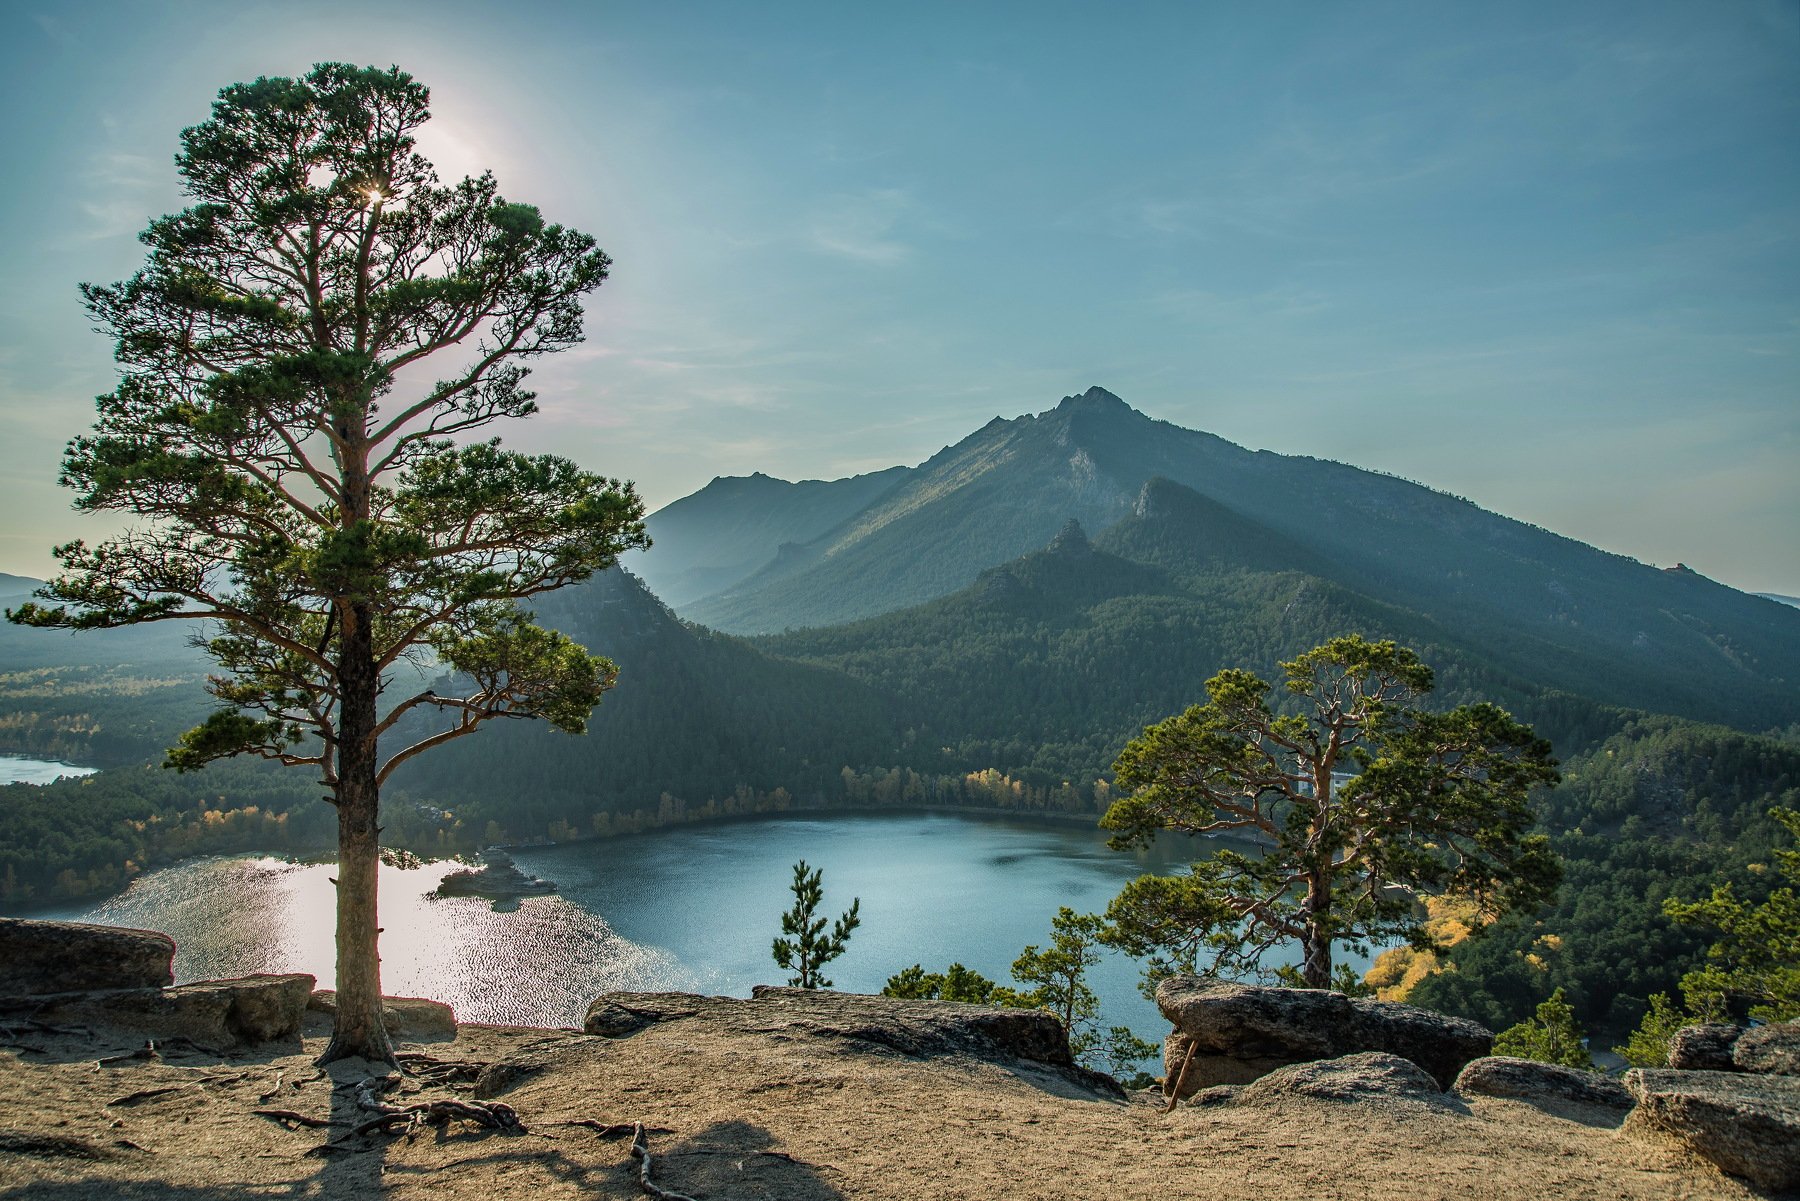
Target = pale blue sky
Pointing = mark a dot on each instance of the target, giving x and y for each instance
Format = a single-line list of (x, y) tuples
[(1545, 256)]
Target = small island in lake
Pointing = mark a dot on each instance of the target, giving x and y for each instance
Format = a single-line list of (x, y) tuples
[(498, 879)]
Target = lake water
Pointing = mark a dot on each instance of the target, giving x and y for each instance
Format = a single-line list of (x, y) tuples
[(691, 909), (17, 769)]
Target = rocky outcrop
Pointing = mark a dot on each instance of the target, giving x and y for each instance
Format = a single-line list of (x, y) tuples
[(1772, 1050), (1703, 1048), (1529, 1080), (1240, 1032), (1369, 1075), (861, 1024), (213, 1013), (1746, 1123), (411, 1019), (37, 958)]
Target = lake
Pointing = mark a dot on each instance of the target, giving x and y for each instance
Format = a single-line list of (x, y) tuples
[(691, 909), (17, 769)]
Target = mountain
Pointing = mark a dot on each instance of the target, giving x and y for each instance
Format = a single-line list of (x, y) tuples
[(709, 541), (1779, 599), (1045, 666), (1542, 606)]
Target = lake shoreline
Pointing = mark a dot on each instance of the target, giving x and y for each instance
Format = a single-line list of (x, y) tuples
[(325, 853)]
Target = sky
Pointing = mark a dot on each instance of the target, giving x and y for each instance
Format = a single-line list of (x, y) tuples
[(1545, 256)]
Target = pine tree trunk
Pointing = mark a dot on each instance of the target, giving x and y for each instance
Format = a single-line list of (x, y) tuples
[(1315, 944), (359, 1028)]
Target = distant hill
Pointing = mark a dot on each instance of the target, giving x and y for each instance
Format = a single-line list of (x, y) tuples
[(713, 539), (1541, 606), (696, 715), (14, 588), (1778, 598)]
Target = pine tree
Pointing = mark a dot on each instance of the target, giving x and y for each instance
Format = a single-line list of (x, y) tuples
[(806, 947), (296, 450)]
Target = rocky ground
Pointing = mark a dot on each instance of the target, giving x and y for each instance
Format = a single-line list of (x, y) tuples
[(739, 1105)]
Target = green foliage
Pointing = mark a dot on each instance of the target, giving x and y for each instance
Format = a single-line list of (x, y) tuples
[(1755, 964), (1344, 979), (1361, 801), (1550, 1036), (324, 529), (1120, 1052), (1662, 810), (1055, 980), (1648, 1046), (954, 983), (1056, 975), (803, 946)]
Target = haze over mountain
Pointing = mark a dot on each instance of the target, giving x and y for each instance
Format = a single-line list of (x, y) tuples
[(1542, 605), (707, 542)]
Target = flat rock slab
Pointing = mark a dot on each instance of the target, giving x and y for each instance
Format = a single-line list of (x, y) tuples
[(862, 1024), (210, 1013), (1240, 1032), (413, 1019), (1748, 1124), (1773, 1050), (1529, 1080), (1703, 1048), (1369, 1075), (38, 958)]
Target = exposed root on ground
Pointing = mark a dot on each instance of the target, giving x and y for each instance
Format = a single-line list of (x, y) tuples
[(406, 1119), (640, 1150), (289, 1119), (438, 1071)]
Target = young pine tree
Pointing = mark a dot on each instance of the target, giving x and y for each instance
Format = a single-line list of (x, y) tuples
[(804, 946)]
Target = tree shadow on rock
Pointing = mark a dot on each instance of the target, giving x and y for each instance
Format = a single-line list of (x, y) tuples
[(738, 1160)]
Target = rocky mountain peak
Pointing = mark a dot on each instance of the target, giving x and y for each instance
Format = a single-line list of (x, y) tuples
[(1095, 399), (1071, 540)]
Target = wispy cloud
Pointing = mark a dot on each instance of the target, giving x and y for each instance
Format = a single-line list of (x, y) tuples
[(118, 191), (861, 225)]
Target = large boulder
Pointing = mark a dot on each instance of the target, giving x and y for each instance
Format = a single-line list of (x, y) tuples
[(1748, 1124), (60, 957), (1703, 1048), (1369, 1075), (409, 1019), (1773, 1050), (216, 1014), (1240, 1032), (855, 1024), (1529, 1080)]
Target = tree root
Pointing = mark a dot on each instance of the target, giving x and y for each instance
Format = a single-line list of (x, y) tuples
[(406, 1119), (607, 1130), (142, 1095), (640, 1150), (437, 1071), (147, 1052), (290, 1119)]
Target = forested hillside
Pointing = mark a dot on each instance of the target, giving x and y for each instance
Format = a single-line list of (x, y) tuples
[(1016, 690)]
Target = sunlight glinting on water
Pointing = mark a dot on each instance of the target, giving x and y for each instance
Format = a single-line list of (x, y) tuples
[(537, 965)]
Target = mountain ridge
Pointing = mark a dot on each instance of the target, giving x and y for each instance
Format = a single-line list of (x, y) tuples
[(1555, 608)]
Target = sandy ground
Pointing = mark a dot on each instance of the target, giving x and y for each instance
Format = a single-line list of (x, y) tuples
[(748, 1116)]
